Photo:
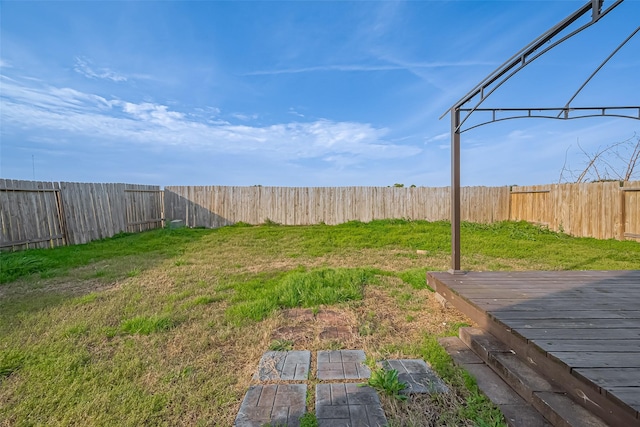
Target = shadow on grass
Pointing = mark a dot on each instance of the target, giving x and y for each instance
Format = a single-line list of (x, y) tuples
[(36, 279)]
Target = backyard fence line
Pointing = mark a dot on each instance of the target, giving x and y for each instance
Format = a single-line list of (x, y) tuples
[(36, 214), (602, 210), (216, 206)]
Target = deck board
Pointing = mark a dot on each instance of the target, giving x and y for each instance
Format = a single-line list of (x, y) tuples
[(626, 394), (586, 334), (623, 377), (585, 322), (588, 323), (566, 314), (608, 344)]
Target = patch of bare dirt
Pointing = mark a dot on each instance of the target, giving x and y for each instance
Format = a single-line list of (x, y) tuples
[(380, 319), (314, 331)]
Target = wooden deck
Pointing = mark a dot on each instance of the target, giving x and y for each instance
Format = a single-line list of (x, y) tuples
[(581, 329)]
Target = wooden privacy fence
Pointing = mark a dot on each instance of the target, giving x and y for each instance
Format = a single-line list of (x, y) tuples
[(216, 206), (46, 214), (602, 210), (37, 214)]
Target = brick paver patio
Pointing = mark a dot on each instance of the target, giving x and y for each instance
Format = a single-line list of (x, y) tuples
[(338, 403)]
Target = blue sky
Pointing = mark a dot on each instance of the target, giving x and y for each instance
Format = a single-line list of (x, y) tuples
[(297, 93)]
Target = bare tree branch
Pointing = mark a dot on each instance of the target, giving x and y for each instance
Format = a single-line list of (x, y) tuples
[(618, 161), (633, 160), (565, 168)]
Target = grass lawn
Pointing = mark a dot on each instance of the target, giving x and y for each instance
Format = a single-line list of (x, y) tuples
[(166, 327)]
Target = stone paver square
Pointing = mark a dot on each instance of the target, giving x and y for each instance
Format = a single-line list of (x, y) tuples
[(352, 355), (342, 365), (276, 404), (359, 395), (348, 405), (284, 365), (418, 376)]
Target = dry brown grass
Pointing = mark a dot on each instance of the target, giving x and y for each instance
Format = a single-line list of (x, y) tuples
[(61, 324), (391, 315), (204, 365), (378, 324)]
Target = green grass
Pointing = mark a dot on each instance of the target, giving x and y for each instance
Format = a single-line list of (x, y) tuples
[(309, 420), (256, 299), (499, 241), (10, 362), (166, 326), (145, 325), (58, 262), (281, 345), (477, 407)]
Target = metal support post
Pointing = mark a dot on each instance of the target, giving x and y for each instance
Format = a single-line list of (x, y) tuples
[(455, 190)]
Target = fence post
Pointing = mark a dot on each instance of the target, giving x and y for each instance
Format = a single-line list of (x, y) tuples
[(623, 211)]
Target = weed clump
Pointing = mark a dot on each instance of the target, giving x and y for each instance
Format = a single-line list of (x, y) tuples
[(256, 299), (13, 266), (386, 381), (281, 345), (146, 325), (10, 362)]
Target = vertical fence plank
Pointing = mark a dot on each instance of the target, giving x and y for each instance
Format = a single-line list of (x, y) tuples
[(631, 214)]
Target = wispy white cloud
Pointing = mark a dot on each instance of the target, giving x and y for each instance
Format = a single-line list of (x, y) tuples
[(439, 137), (82, 116), (408, 66), (519, 135), (4, 64), (32, 92), (322, 68), (244, 117), (85, 67), (295, 113)]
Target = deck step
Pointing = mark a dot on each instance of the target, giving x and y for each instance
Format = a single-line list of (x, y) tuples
[(517, 412), (547, 398)]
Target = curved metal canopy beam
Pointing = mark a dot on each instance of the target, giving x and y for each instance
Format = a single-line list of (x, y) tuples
[(497, 78), (530, 53), (602, 64), (564, 113)]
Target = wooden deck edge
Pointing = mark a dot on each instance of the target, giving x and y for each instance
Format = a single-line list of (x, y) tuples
[(548, 399), (516, 410), (585, 393)]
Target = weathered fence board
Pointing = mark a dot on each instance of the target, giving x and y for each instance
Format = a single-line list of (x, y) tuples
[(216, 206), (98, 210), (630, 206), (47, 214), (602, 210), (586, 210), (30, 216), (144, 208)]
